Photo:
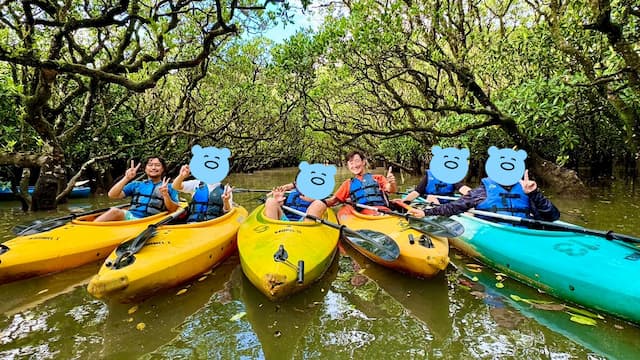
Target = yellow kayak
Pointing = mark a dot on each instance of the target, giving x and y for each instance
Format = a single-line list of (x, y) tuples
[(76, 243), (421, 255), (284, 257), (176, 253)]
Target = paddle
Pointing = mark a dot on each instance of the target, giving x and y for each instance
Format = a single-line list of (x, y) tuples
[(609, 235), (242, 190), (375, 242), (434, 225), (127, 249), (39, 226)]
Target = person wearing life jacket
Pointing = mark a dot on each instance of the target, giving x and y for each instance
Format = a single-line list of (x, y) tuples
[(363, 188), (429, 187), (208, 201), (148, 197), (523, 199), (294, 199)]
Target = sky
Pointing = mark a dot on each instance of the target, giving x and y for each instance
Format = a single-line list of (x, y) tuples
[(311, 17)]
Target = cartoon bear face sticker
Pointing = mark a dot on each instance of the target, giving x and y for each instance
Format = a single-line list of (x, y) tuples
[(209, 164), (505, 166), (316, 180), (449, 165)]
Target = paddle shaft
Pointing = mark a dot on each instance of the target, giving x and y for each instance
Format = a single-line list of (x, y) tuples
[(141, 239), (66, 217), (447, 231), (609, 235), (341, 228)]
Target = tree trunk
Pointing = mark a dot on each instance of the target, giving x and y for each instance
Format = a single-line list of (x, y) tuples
[(556, 178)]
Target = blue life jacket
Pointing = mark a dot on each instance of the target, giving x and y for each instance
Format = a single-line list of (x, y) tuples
[(437, 187), (296, 202), (514, 202), (206, 205), (146, 199), (367, 191)]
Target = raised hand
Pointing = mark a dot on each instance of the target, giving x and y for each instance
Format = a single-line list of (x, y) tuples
[(131, 172), (228, 191), (528, 186), (278, 194), (390, 177), (164, 187), (185, 171)]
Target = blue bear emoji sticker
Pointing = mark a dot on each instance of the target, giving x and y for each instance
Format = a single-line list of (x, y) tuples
[(315, 180), (449, 165), (209, 164), (505, 166)]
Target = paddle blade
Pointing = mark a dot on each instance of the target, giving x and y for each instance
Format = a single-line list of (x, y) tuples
[(437, 226), (40, 226), (374, 242)]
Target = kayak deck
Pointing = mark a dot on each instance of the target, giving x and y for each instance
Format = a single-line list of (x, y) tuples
[(584, 269), (284, 257), (421, 255), (177, 253)]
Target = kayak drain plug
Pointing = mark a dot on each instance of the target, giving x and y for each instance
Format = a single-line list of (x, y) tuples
[(411, 240)]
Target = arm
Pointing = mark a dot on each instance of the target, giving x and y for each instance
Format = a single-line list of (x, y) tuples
[(116, 191), (420, 190), (168, 195), (471, 200), (339, 196), (227, 199), (184, 172), (542, 208), (390, 186)]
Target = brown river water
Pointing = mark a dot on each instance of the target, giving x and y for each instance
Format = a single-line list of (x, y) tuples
[(357, 311)]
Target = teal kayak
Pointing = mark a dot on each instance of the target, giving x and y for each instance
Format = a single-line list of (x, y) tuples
[(587, 270)]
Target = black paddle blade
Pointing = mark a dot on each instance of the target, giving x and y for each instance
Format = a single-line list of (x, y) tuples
[(374, 242), (437, 226), (39, 226)]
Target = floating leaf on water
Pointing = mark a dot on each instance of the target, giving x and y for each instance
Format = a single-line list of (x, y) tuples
[(42, 291), (475, 270), (133, 309), (499, 285), (238, 316), (207, 273), (202, 278), (182, 291), (475, 278), (479, 294), (619, 327), (501, 274), (499, 278), (515, 297), (361, 271), (551, 307), (141, 326), (474, 266), (582, 320), (585, 312), (465, 287)]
